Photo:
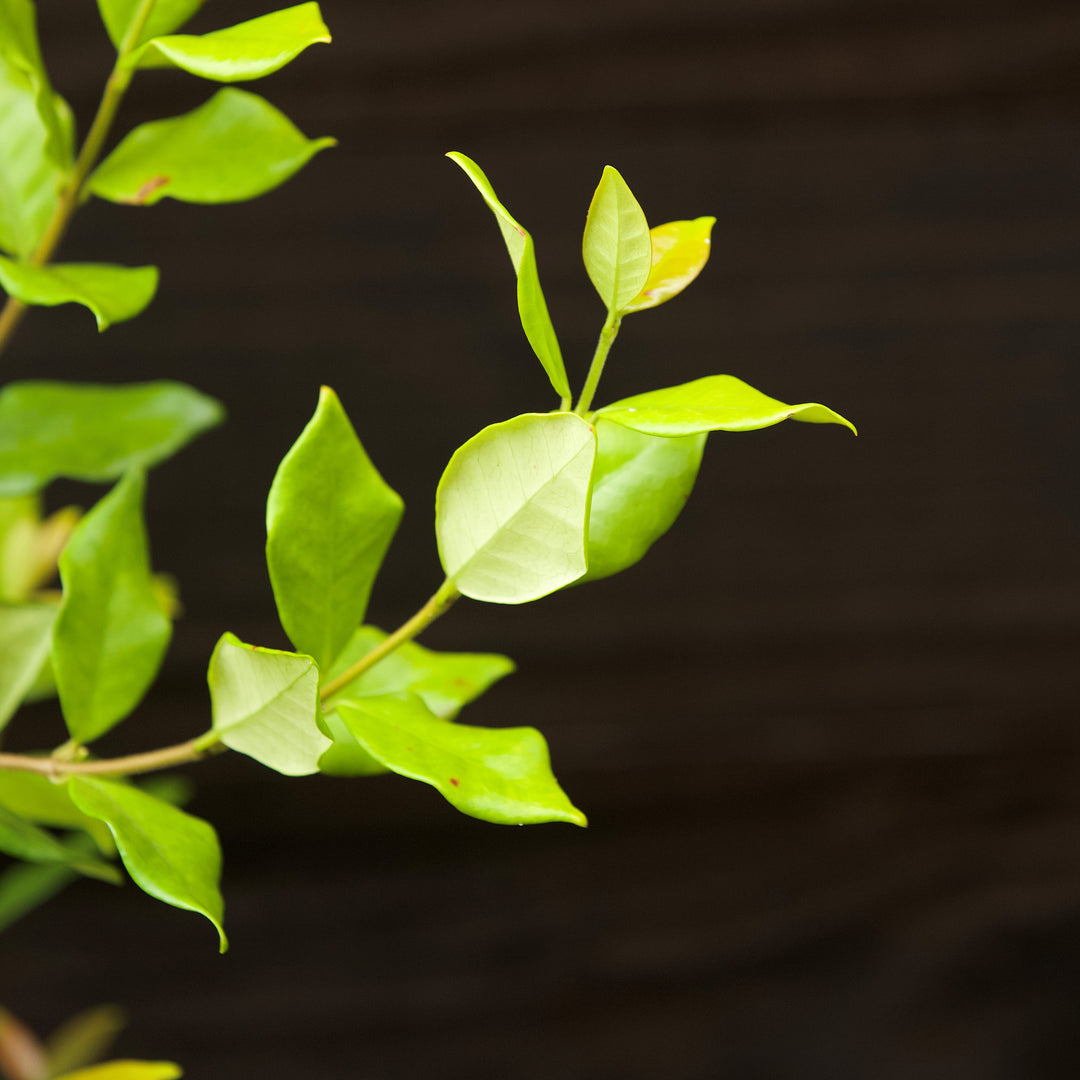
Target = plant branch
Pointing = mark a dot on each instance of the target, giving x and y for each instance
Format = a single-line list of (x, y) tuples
[(151, 760), (607, 338)]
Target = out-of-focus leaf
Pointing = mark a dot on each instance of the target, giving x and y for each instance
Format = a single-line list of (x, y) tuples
[(445, 681), (25, 640), (532, 308), (25, 886), (512, 506), (165, 17), (232, 148), (112, 293), (127, 1070), (617, 247), (29, 546), (96, 433), (22, 1056), (266, 704), (330, 518), (639, 485), (38, 799), (715, 403), (84, 1039), (111, 635), (502, 775), (249, 50), (24, 840), (680, 250), (171, 855)]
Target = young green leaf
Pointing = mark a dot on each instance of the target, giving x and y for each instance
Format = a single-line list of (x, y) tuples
[(249, 50), (502, 775), (38, 799), (330, 518), (30, 546), (715, 403), (232, 148), (25, 640), (444, 681), (112, 293), (165, 16), (512, 507), (36, 147), (111, 634), (680, 250), (639, 486), (532, 308), (22, 840), (171, 855), (266, 704), (96, 433), (617, 247), (127, 1070)]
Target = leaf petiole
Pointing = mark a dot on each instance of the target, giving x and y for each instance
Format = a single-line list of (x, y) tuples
[(607, 338)]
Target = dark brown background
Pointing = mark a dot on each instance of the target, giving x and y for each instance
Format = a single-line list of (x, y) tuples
[(826, 733)]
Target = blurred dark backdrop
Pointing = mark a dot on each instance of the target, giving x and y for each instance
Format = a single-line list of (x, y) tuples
[(826, 732)]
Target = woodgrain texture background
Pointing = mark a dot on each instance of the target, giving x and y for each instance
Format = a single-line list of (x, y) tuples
[(826, 734)]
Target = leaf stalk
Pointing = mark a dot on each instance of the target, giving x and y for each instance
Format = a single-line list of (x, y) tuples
[(607, 338)]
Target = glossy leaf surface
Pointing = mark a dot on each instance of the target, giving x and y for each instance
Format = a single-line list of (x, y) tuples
[(169, 854), (444, 681), (96, 433), (512, 506), (165, 17), (38, 799), (330, 518), (234, 147), (127, 1070), (265, 704), (36, 148), (25, 640), (249, 50), (640, 484), (111, 634), (680, 250), (500, 775), (617, 247), (112, 293), (23, 840), (715, 403), (532, 308)]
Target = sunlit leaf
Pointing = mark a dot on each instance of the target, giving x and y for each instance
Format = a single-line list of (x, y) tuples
[(680, 250), (445, 681), (38, 799), (25, 640), (112, 293), (84, 1038), (265, 704), (512, 506), (502, 775), (532, 308), (96, 433), (249, 50), (171, 855), (617, 247), (165, 17), (23, 840), (127, 1070), (234, 147), (330, 518), (640, 484), (715, 403), (111, 635)]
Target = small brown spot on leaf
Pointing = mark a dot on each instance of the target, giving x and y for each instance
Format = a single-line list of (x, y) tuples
[(455, 781), (147, 189)]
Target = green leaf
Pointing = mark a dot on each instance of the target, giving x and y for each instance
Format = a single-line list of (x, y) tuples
[(112, 293), (617, 247), (715, 403), (23, 840), (640, 484), (25, 886), (249, 50), (445, 681), (502, 775), (36, 148), (111, 635), (330, 518), (96, 433), (512, 507), (165, 17), (25, 640), (127, 1070), (346, 757), (171, 855), (532, 307), (84, 1038), (680, 250), (29, 546), (266, 704), (38, 799), (232, 148)]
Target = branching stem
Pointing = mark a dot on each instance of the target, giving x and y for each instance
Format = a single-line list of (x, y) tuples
[(607, 338)]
